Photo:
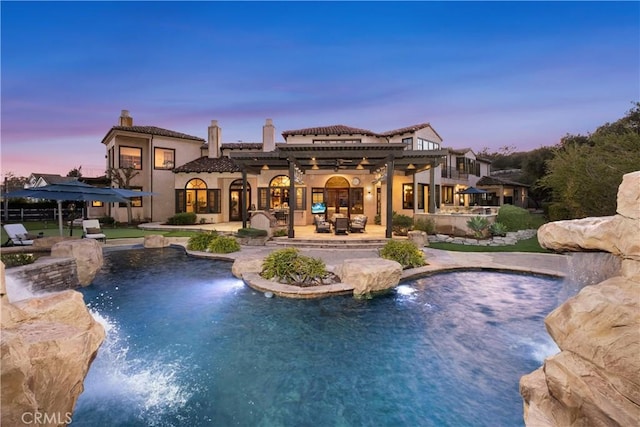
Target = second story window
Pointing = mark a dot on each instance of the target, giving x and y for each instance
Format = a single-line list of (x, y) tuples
[(163, 158), (425, 144), (131, 157), (408, 142)]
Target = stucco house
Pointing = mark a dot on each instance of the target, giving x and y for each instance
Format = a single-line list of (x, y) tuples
[(334, 169)]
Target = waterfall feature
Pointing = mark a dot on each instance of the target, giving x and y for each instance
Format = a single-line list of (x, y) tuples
[(586, 269)]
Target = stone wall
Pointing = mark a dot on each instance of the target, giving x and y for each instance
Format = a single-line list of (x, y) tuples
[(47, 274), (595, 379)]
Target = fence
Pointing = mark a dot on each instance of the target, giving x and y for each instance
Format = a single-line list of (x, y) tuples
[(42, 214)]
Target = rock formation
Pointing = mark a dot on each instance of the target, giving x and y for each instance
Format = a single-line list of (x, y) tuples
[(595, 379), (47, 345), (369, 276), (86, 252), (155, 241)]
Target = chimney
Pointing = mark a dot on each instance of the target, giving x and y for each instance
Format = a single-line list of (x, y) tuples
[(268, 136), (215, 139), (125, 118)]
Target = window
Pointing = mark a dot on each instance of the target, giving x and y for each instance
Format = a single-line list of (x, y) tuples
[(407, 196), (163, 158), (425, 144), (131, 157), (196, 197), (136, 202), (408, 141), (447, 195), (97, 204)]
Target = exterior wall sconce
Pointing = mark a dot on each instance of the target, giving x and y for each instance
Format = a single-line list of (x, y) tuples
[(315, 167), (359, 167), (411, 166), (265, 167)]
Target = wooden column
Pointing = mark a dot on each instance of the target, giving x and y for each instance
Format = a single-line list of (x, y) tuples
[(243, 198), (390, 169), (432, 188), (292, 197)]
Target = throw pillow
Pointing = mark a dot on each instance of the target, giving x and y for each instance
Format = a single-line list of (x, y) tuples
[(91, 230)]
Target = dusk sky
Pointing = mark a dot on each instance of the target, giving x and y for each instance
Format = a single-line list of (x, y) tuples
[(484, 74)]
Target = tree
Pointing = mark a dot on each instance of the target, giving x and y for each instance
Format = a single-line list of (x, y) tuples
[(13, 182), (584, 174), (75, 172), (122, 177)]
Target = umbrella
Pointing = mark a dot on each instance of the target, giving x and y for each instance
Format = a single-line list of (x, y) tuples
[(76, 190), (472, 190)]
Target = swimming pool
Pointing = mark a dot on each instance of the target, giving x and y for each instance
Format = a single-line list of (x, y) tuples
[(189, 344)]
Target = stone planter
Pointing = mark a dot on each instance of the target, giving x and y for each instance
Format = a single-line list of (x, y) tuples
[(253, 241)]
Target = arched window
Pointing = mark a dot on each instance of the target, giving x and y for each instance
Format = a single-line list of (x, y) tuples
[(279, 191), (276, 196), (197, 198)]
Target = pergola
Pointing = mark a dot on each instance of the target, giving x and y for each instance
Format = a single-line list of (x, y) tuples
[(371, 157)]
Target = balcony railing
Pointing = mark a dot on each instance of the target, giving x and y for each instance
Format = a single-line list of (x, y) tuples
[(453, 173)]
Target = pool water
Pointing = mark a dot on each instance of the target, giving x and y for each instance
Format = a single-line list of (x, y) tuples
[(188, 345)]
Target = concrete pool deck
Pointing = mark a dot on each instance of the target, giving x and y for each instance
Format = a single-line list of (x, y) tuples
[(438, 261)]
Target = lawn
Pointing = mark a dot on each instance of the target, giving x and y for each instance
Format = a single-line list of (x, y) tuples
[(529, 245), (51, 229)]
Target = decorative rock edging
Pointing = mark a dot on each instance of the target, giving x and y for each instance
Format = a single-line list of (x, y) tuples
[(511, 238), (255, 281)]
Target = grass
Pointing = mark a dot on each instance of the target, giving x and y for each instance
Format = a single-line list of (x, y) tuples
[(118, 232), (528, 245)]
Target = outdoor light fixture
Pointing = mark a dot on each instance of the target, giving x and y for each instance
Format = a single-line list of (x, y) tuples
[(315, 167), (411, 166), (265, 167), (359, 167), (364, 161)]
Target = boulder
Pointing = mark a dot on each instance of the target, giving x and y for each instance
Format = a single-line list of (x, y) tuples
[(246, 265), (595, 379), (419, 238), (46, 353), (155, 241), (369, 276), (86, 252), (629, 196)]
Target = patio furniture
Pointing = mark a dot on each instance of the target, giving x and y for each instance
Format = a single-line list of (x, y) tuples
[(91, 230), (322, 226), (19, 236), (358, 223), (341, 225)]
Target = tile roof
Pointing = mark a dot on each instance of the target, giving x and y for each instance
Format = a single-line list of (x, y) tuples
[(241, 146), (152, 130), (407, 129), (207, 164), (329, 130), (492, 180)]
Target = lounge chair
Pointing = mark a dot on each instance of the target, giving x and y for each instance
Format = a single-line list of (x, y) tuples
[(341, 225), (322, 226), (358, 223), (19, 236), (91, 230)]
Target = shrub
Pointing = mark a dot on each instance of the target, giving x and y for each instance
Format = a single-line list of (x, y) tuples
[(404, 252), (498, 229), (280, 232), (287, 265), (425, 224), (377, 220), (252, 232), (224, 245), (183, 218), (106, 220), (201, 241), (514, 218), (16, 260), (478, 225), (401, 224)]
